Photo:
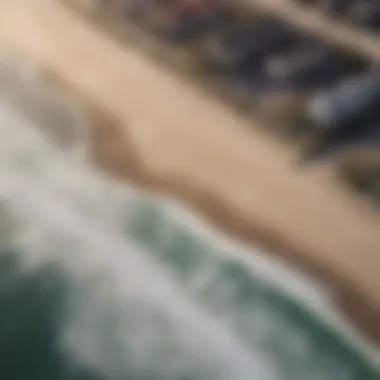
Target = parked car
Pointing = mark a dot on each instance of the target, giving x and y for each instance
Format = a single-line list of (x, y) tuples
[(235, 48), (346, 103), (298, 74), (364, 134), (294, 74), (348, 113), (313, 67)]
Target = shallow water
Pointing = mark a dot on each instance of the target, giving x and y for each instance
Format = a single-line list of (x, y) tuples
[(101, 281)]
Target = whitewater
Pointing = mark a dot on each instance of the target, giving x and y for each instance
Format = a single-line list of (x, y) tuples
[(100, 280)]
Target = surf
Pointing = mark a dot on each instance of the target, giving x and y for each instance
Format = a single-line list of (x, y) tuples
[(102, 280)]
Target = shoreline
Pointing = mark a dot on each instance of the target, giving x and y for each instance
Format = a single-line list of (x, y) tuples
[(153, 151), (105, 152)]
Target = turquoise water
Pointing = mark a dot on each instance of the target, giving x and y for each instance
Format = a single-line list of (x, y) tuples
[(100, 281)]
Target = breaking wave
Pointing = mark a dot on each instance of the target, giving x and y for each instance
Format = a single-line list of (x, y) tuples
[(100, 281)]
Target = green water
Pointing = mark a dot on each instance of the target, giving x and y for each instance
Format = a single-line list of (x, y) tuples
[(234, 290), (262, 316)]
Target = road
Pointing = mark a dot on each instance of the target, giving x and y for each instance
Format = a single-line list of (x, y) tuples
[(355, 39), (185, 138)]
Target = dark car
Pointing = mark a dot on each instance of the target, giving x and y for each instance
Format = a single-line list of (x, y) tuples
[(347, 114), (240, 48), (364, 134), (313, 67), (307, 66), (348, 102)]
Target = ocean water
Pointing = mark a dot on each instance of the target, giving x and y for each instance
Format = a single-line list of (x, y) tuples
[(102, 281)]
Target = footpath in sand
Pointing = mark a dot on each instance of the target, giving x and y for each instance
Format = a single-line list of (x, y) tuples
[(198, 149)]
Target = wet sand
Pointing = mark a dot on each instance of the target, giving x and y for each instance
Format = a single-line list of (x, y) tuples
[(168, 135)]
